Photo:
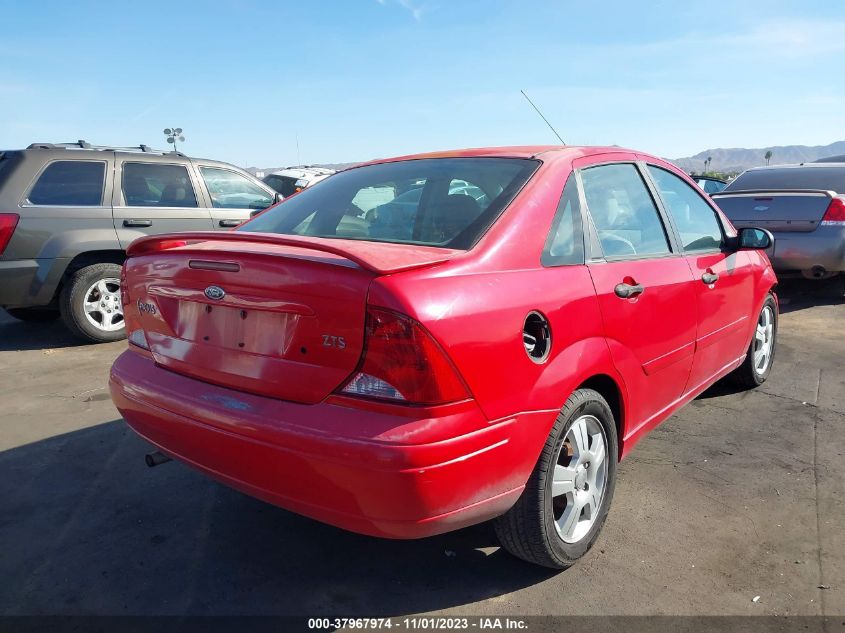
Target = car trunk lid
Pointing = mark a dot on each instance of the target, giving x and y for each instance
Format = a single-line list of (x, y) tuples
[(263, 314), (798, 211)]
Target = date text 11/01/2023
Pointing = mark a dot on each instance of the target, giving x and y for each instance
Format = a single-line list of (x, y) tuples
[(418, 623)]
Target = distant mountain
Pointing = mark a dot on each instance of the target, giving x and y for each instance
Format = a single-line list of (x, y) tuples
[(730, 160), (737, 159)]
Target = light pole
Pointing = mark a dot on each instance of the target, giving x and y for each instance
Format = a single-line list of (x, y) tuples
[(173, 135)]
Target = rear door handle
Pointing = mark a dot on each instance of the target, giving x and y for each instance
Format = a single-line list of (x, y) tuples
[(626, 291), (137, 223), (230, 223), (709, 278)]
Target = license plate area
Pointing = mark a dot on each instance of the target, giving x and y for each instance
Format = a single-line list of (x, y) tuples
[(262, 332)]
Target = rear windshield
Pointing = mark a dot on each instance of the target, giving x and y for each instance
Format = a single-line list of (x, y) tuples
[(778, 178), (448, 202), (285, 185)]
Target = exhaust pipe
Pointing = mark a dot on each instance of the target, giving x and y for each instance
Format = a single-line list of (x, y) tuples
[(156, 458), (818, 272)]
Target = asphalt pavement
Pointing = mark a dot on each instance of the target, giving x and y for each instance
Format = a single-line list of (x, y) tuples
[(739, 495)]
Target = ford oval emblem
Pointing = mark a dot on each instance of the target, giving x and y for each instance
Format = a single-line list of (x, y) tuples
[(215, 293)]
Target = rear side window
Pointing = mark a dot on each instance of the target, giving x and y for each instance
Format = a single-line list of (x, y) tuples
[(157, 185), (623, 211), (230, 190), (780, 178), (565, 244), (448, 202), (76, 183), (696, 220)]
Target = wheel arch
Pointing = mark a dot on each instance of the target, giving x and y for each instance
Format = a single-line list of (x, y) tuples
[(88, 258), (611, 391)]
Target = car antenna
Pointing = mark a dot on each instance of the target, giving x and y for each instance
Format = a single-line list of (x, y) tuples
[(542, 117)]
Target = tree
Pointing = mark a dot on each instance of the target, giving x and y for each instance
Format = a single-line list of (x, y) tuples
[(707, 162), (768, 156)]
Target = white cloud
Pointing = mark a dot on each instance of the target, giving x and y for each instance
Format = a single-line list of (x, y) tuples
[(416, 10)]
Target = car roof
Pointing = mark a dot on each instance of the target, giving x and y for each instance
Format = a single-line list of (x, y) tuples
[(141, 153), (302, 171), (554, 152), (813, 165)]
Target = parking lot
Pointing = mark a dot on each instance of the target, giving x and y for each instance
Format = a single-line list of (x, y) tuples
[(739, 495)]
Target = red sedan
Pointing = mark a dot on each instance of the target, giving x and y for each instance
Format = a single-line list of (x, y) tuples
[(423, 343)]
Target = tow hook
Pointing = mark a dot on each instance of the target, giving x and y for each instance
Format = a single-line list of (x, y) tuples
[(156, 458)]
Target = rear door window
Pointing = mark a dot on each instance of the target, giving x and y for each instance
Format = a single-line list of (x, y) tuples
[(157, 185), (230, 190), (74, 183), (696, 220), (625, 216)]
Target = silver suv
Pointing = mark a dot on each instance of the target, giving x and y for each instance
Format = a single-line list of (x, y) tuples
[(292, 180), (68, 211)]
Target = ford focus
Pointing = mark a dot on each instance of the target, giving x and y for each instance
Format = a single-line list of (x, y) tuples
[(488, 353)]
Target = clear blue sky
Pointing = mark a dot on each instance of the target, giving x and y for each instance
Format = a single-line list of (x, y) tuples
[(358, 79)]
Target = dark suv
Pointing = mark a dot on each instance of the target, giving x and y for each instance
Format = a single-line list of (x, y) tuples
[(68, 212)]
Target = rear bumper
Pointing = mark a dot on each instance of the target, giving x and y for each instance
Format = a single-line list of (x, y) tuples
[(29, 282), (387, 475), (824, 247), (17, 280)]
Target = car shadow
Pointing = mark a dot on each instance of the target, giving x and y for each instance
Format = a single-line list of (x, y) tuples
[(87, 528), (800, 294), (18, 336), (724, 387)]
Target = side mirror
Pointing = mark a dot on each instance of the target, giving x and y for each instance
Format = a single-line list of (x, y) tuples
[(277, 197), (753, 238)]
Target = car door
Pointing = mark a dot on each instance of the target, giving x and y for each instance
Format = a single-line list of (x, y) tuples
[(234, 197), (153, 197), (643, 284), (724, 285)]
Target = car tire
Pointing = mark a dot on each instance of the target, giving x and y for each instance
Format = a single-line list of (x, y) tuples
[(90, 304), (33, 315), (546, 526), (838, 286), (753, 372)]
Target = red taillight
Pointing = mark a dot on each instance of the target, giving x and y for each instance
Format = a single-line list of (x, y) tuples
[(145, 246), (835, 214), (8, 222), (403, 363)]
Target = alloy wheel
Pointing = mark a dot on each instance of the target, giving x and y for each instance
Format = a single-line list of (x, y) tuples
[(102, 305), (763, 340), (579, 478)]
